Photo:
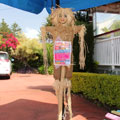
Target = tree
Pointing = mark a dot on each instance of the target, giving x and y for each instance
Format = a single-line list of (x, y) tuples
[(48, 21), (105, 29), (4, 27), (114, 26), (15, 29), (27, 50), (82, 18)]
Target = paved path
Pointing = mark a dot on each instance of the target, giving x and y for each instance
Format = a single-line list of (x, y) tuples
[(31, 97)]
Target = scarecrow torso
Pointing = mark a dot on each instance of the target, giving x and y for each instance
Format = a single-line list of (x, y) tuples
[(65, 33)]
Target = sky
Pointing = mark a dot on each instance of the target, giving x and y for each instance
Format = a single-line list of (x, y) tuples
[(29, 22)]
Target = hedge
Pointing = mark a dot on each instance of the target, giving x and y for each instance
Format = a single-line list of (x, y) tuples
[(102, 87)]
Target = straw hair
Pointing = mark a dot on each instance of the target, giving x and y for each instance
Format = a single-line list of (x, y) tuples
[(70, 16)]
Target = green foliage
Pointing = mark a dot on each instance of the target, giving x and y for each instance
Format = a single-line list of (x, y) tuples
[(114, 26), (82, 18), (28, 51), (95, 66), (105, 29), (17, 65), (37, 62), (41, 70), (50, 70), (49, 23), (4, 27), (102, 87), (50, 53), (89, 38), (15, 29)]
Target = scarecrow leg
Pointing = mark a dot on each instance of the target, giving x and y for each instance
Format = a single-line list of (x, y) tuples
[(69, 98), (65, 105), (45, 60), (56, 86), (61, 94), (60, 102)]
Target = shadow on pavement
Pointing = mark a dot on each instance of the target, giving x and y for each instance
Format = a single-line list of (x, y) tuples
[(81, 107), (87, 109), (43, 88), (23, 109)]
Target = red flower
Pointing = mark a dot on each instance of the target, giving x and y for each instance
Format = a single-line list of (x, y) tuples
[(9, 41)]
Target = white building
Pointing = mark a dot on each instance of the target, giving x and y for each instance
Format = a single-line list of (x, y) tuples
[(107, 46)]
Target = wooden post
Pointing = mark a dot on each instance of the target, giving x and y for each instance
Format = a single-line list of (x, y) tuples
[(61, 95), (45, 60), (113, 55)]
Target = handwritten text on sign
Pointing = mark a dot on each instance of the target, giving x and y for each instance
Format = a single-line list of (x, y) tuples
[(62, 53)]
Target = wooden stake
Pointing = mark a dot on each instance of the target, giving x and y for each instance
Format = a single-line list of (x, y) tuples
[(45, 60), (61, 95)]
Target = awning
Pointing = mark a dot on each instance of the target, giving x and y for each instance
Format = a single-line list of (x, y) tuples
[(36, 6)]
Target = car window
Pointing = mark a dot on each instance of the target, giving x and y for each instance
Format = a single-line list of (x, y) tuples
[(3, 56)]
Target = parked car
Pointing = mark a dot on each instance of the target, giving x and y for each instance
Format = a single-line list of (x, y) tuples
[(5, 65)]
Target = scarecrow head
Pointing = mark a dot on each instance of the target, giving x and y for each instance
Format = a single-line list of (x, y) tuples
[(62, 17)]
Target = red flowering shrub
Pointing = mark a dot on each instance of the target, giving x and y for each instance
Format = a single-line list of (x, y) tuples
[(8, 41)]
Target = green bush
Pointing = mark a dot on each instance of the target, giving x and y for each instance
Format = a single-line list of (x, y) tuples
[(50, 70), (16, 65), (50, 53), (101, 87), (41, 70)]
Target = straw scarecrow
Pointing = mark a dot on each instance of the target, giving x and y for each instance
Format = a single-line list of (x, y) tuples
[(64, 29)]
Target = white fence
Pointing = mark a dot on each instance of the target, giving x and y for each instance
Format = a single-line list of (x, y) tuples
[(107, 51)]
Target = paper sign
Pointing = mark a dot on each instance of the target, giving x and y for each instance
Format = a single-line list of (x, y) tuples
[(62, 53)]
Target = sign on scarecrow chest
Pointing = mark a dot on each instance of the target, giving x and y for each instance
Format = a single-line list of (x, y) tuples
[(62, 53)]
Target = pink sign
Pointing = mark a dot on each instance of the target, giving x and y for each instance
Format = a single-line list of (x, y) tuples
[(62, 53)]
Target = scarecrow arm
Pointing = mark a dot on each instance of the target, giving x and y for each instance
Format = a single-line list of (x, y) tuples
[(78, 29), (49, 29), (81, 31), (43, 34)]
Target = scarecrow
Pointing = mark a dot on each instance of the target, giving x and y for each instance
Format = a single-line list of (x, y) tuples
[(63, 31)]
